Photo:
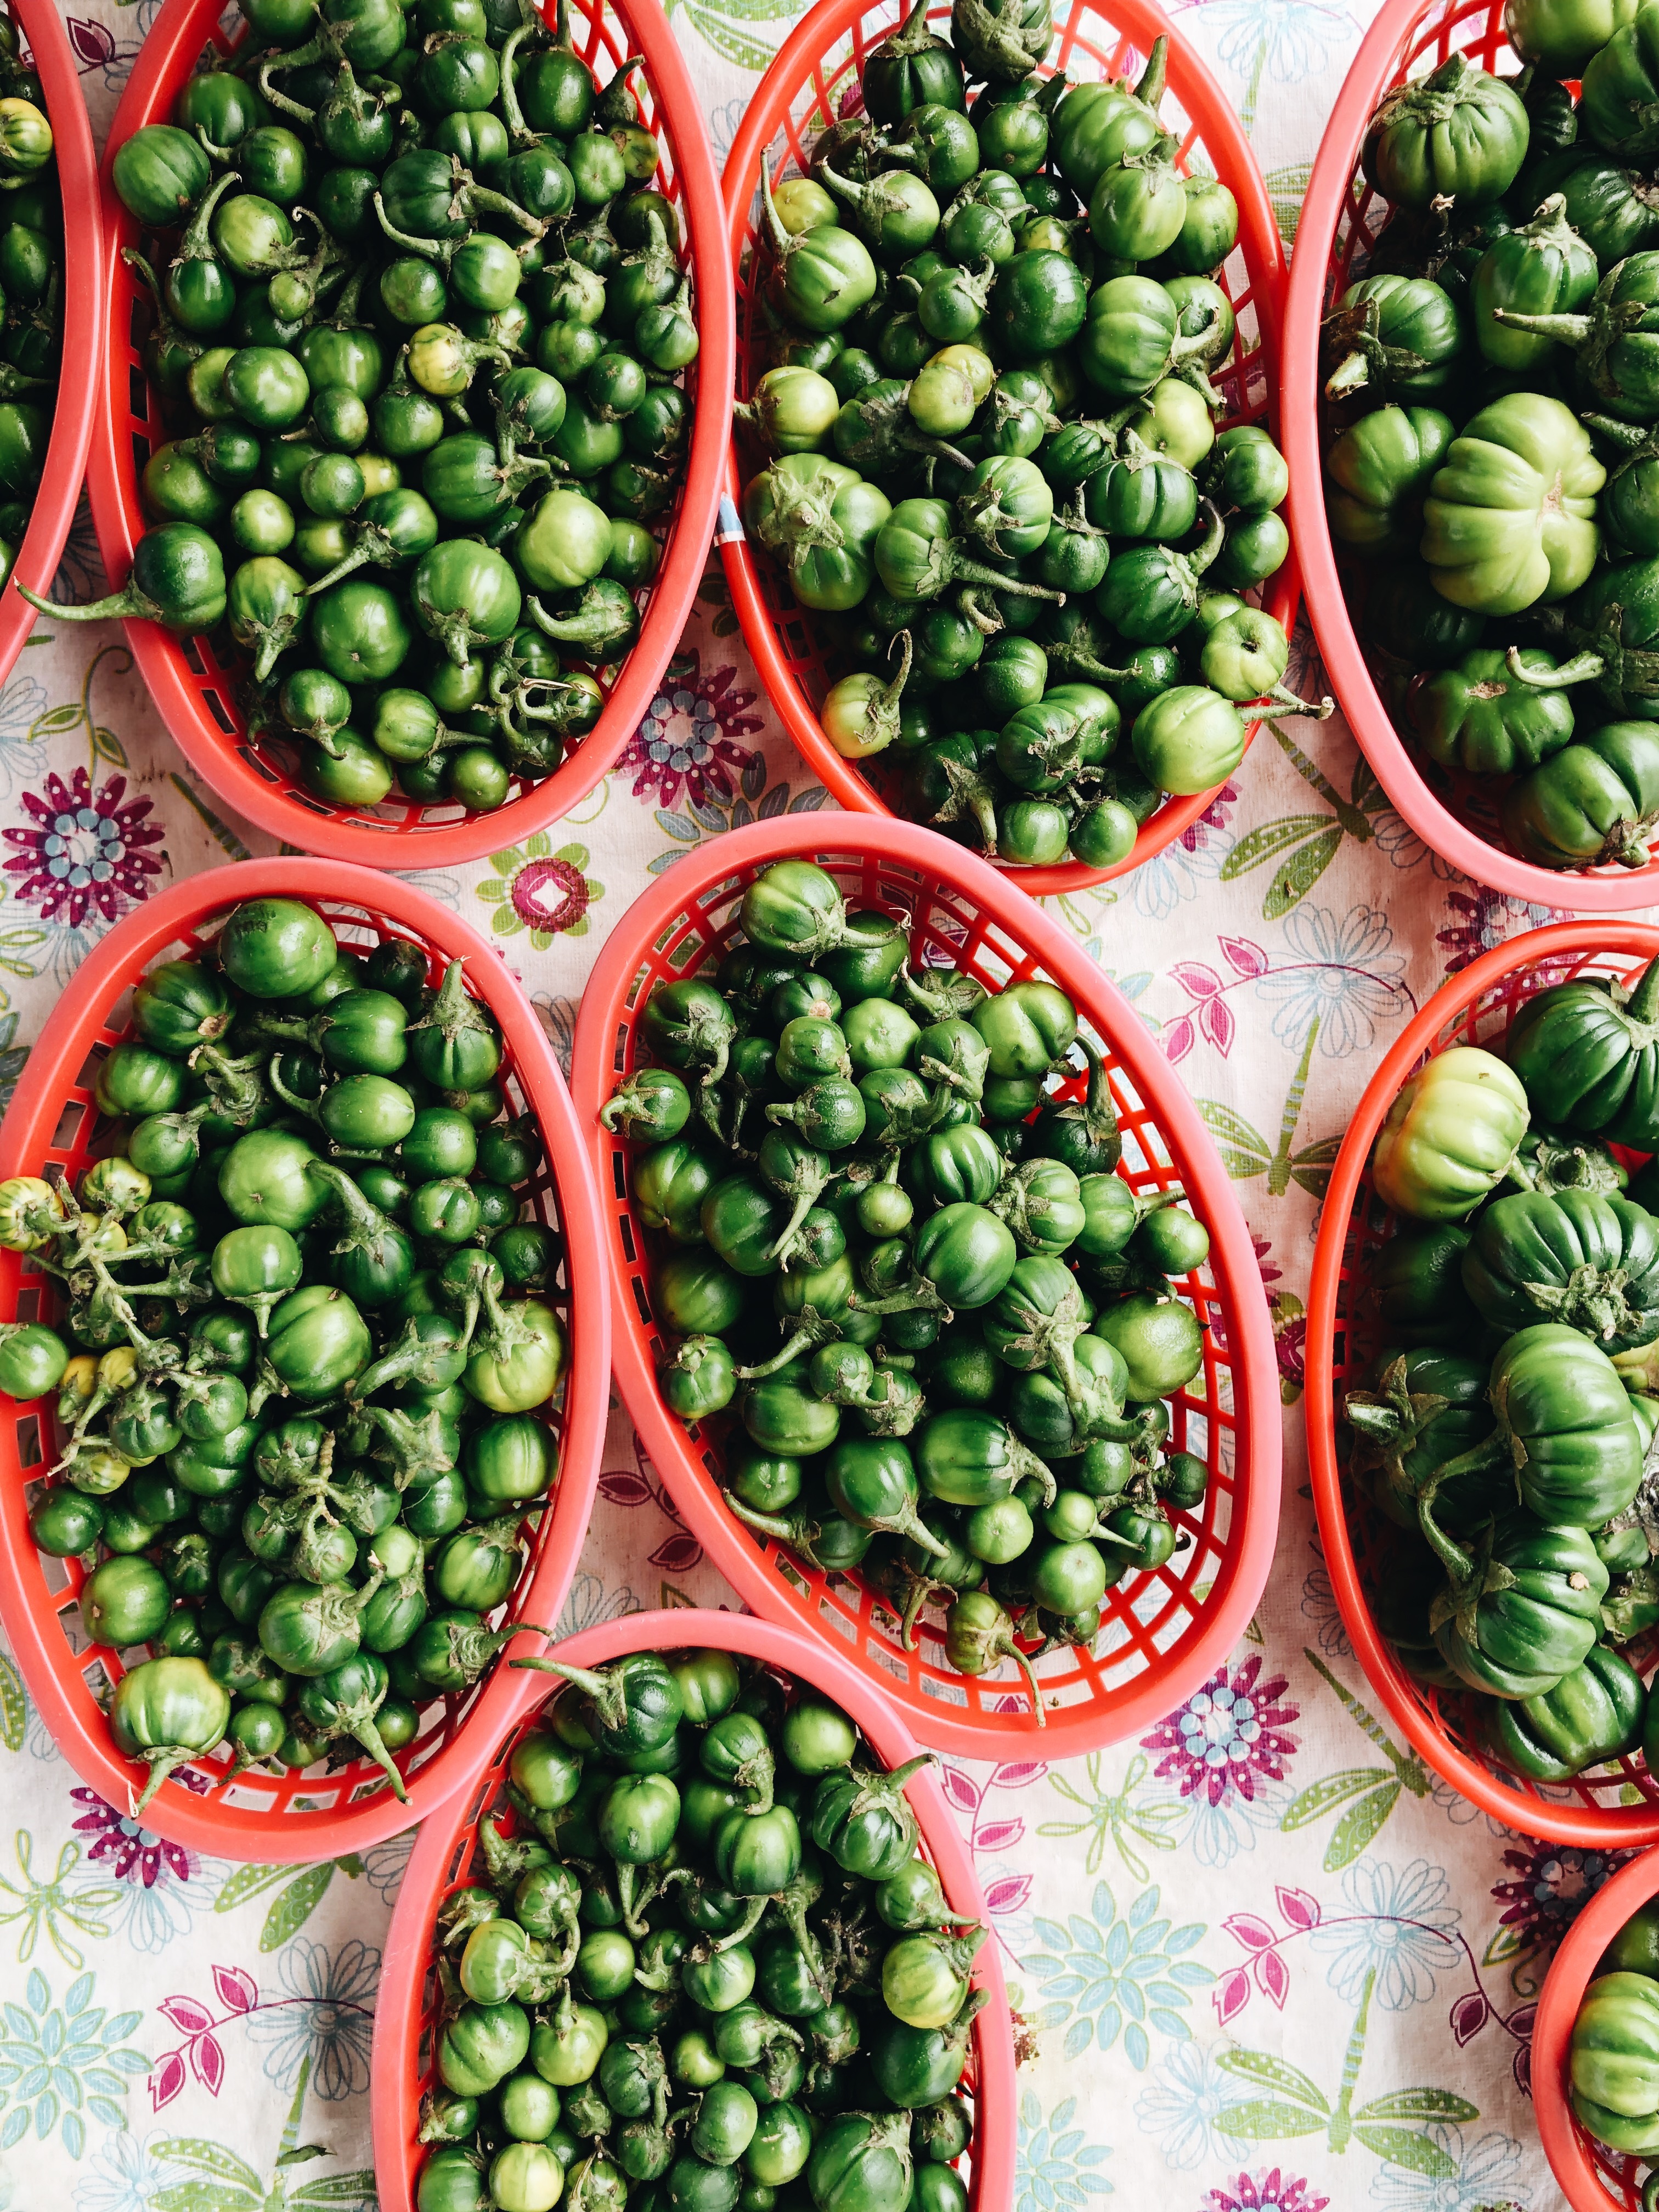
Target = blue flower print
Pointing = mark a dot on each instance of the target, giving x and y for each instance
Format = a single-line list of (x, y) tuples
[(125, 2175), (327, 2016), (1059, 2169), (58, 2065), (1484, 2177), (161, 1886), (1285, 43), (1342, 977), (1188, 2095), (1106, 1975), (1395, 1936), (1186, 866)]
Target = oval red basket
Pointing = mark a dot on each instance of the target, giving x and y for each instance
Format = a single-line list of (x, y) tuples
[(53, 510), (291, 1816), (1476, 1008), (1164, 1637), (405, 2008), (1455, 817), (194, 680), (1592, 2178), (819, 62)]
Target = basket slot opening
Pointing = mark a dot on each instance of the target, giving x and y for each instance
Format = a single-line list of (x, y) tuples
[(194, 659), (28, 1440), (221, 714), (68, 1121)]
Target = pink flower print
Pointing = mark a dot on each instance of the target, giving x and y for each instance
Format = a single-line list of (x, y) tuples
[(131, 1853), (1229, 1736), (87, 852), (687, 738), (1266, 2192)]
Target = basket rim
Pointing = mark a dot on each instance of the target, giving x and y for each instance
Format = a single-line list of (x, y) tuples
[(397, 2015), (1376, 65), (53, 513), (1248, 1547), (245, 1833), (1142, 20), (1625, 1825), (1572, 1970), (169, 51)]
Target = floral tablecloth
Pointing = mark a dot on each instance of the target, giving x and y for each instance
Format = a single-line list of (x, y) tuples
[(1271, 1965)]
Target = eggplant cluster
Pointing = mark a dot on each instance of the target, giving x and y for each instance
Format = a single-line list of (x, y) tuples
[(419, 320), (944, 1322), (303, 1351), (998, 351)]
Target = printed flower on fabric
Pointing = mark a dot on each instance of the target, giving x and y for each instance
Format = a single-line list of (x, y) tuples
[(589, 1603), (1482, 918), (1276, 2191), (1192, 859), (1395, 1937), (126, 2173), (88, 855), (1549, 1888), (1483, 2177), (157, 1900), (329, 2017), (1188, 2092), (1227, 1749), (1059, 2167), (1342, 976), (1105, 1976), (686, 744), (535, 888), (60, 2065)]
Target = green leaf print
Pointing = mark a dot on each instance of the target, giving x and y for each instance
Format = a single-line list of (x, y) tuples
[(295, 1906), (247, 1882), (1265, 2121), (1417, 2154), (14, 1705)]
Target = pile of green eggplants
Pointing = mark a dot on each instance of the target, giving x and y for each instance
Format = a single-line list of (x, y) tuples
[(1507, 1422), (993, 470), (30, 291), (418, 330), (1495, 383), (298, 1426), (977, 1324), (1613, 2057), (708, 1970)]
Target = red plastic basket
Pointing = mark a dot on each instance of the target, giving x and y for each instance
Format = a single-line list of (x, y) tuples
[(818, 66), (1476, 1008), (402, 2061), (194, 680), (53, 509), (1592, 2178), (1164, 1635), (1455, 816), (296, 1816)]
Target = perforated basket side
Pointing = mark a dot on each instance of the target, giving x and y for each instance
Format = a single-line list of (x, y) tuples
[(405, 2013), (1455, 816), (52, 1117), (802, 91), (1618, 1805), (195, 681), (1168, 1630), (1593, 2177), (51, 510)]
